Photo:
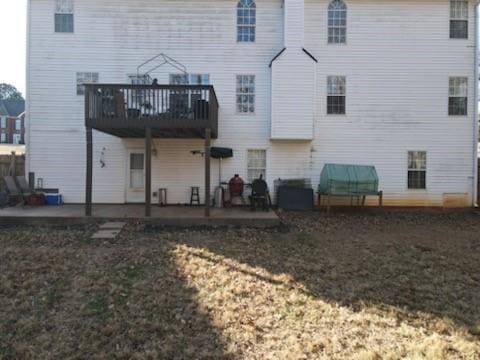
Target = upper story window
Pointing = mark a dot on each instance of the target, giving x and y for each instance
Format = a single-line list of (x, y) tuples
[(64, 16), (336, 94), (337, 22), (246, 93), (246, 21), (18, 124), (458, 96), (3, 122), (85, 78), (458, 19)]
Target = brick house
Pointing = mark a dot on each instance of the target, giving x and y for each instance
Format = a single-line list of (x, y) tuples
[(12, 121)]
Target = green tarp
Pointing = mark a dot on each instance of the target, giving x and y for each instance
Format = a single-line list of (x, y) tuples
[(337, 179)]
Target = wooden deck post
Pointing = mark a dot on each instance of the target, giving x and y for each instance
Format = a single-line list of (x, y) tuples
[(148, 172), (208, 134), (89, 178)]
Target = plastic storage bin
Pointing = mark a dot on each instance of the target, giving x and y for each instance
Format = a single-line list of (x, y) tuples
[(53, 199)]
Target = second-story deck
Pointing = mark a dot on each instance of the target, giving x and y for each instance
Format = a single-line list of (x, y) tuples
[(169, 111)]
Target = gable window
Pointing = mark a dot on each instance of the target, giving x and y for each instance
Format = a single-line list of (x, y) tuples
[(336, 94), (417, 169), (246, 21), (458, 19), (64, 16), (257, 164), (458, 96), (85, 78), (337, 22), (246, 93)]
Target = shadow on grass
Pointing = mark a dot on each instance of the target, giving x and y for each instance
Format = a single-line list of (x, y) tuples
[(422, 266), (61, 299)]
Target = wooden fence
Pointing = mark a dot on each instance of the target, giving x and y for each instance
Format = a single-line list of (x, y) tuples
[(11, 165)]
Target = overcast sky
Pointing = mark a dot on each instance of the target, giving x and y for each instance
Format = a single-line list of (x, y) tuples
[(13, 42)]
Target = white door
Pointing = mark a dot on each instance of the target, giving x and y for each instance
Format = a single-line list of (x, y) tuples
[(135, 177)]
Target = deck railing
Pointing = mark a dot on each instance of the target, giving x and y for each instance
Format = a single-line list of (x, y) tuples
[(157, 106)]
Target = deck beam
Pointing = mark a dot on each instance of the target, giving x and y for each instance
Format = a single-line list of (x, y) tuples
[(148, 172), (89, 173), (208, 133)]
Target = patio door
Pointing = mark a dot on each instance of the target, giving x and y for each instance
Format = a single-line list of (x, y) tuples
[(135, 192)]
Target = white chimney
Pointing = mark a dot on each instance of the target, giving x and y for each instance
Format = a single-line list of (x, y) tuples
[(294, 14)]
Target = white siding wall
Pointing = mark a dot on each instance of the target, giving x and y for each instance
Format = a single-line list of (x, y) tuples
[(397, 61)]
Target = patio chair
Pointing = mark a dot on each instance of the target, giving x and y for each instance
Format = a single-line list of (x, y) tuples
[(260, 195), (15, 196)]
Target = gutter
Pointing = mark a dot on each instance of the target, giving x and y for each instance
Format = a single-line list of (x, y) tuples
[(475, 113)]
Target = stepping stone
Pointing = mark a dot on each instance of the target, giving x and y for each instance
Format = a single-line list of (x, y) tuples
[(106, 234), (112, 226)]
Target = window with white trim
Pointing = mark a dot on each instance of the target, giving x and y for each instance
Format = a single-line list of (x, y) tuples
[(3, 138), (257, 164), (85, 78), (18, 124), (64, 16), (246, 93), (3, 122), (336, 95), (337, 22), (417, 169), (458, 19), (458, 96), (246, 21), (17, 138)]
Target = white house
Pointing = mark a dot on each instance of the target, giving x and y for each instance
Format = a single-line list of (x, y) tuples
[(299, 83)]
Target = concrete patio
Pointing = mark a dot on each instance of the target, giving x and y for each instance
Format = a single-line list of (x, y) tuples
[(168, 216)]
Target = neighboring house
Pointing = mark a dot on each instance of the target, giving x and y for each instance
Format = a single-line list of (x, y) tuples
[(299, 83), (12, 122)]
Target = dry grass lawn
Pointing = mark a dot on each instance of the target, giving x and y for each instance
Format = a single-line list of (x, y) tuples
[(370, 285)]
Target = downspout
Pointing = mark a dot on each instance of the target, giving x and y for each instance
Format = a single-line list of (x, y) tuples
[(475, 113), (27, 89)]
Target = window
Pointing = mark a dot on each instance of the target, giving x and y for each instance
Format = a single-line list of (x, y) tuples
[(85, 78), (337, 22), (64, 16), (257, 164), (3, 122), (189, 79), (458, 19), (246, 20), (336, 93), (246, 93), (458, 96), (187, 99), (17, 138), (417, 169), (137, 165), (18, 124), (3, 138)]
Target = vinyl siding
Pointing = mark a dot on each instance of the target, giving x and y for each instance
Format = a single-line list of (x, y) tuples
[(397, 62)]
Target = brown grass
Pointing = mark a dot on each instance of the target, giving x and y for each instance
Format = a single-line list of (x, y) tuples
[(399, 284)]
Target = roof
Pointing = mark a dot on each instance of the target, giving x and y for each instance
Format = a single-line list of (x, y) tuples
[(12, 108)]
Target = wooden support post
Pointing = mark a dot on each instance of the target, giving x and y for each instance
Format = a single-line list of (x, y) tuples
[(89, 178), (208, 134), (148, 172)]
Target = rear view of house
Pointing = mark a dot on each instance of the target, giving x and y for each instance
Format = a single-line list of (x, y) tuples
[(133, 91)]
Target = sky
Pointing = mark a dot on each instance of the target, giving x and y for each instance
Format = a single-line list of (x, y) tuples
[(13, 14)]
